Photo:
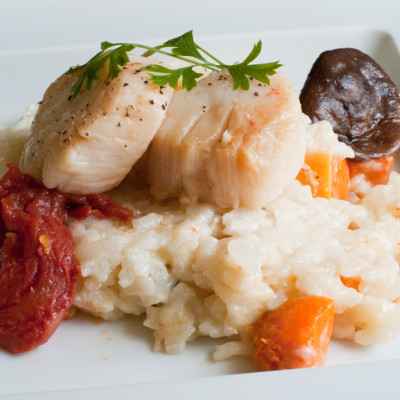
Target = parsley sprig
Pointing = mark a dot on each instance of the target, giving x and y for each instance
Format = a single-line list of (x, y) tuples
[(182, 47)]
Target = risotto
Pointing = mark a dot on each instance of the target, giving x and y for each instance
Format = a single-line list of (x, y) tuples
[(195, 269)]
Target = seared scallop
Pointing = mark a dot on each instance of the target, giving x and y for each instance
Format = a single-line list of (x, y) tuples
[(231, 148), (89, 144)]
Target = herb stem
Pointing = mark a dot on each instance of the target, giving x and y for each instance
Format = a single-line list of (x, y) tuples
[(210, 55), (151, 50), (149, 53)]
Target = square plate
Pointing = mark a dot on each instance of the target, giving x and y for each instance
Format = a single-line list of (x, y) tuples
[(91, 359)]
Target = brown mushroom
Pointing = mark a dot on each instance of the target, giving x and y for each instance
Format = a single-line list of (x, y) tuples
[(350, 90)]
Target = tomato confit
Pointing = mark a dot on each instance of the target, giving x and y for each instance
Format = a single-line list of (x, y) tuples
[(38, 270)]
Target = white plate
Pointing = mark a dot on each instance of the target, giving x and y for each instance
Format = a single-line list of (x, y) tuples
[(86, 359)]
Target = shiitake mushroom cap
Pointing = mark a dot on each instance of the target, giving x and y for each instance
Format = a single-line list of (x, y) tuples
[(350, 90)]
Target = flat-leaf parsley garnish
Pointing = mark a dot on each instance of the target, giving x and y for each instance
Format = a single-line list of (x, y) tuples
[(182, 47)]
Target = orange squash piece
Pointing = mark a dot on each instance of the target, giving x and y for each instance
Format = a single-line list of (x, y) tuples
[(327, 175), (375, 171), (351, 282), (294, 335)]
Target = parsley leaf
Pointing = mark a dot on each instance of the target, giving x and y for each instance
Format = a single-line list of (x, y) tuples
[(171, 76), (185, 46), (239, 72), (117, 57), (182, 47)]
